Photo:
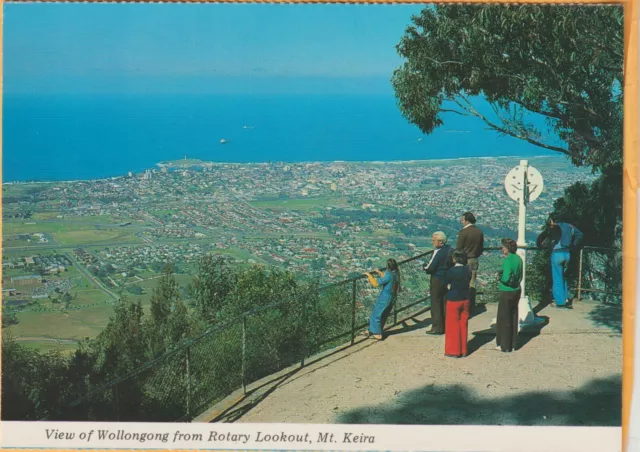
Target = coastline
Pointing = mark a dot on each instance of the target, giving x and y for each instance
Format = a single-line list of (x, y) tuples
[(209, 163)]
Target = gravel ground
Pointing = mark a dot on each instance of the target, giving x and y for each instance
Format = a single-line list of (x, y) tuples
[(568, 374)]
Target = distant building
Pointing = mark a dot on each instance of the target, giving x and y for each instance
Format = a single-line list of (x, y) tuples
[(26, 280)]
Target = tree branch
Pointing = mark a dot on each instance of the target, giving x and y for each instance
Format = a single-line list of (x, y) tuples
[(506, 131), (446, 110), (443, 62)]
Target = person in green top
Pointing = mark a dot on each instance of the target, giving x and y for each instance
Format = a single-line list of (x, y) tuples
[(509, 285)]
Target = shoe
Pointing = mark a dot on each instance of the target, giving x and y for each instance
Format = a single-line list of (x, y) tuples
[(452, 356), (564, 306), (435, 333)]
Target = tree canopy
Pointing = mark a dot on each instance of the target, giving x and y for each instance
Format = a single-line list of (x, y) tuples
[(563, 63)]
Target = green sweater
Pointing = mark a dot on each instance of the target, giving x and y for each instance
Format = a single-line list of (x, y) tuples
[(511, 273)]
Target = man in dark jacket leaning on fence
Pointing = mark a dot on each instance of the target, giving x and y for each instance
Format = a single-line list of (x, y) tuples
[(438, 265), (471, 241)]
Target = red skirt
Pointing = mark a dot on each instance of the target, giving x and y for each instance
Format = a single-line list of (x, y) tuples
[(457, 328)]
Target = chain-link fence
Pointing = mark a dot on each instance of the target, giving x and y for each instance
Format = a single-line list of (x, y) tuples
[(600, 274), (199, 372)]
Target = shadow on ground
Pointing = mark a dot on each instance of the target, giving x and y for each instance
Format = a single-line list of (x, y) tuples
[(407, 328), (597, 403), (607, 315), (478, 309)]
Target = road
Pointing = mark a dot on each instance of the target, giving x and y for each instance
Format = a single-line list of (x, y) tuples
[(92, 278)]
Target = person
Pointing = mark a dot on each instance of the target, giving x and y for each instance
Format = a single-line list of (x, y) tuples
[(562, 237), (509, 281), (389, 281), (471, 240), (457, 306), (440, 262)]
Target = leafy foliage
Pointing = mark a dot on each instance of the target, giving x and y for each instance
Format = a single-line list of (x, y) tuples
[(212, 284), (561, 64), (565, 64), (9, 319), (46, 385)]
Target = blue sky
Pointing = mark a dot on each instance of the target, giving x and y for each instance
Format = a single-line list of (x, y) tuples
[(165, 48)]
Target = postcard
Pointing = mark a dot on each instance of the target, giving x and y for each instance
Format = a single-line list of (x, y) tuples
[(323, 226)]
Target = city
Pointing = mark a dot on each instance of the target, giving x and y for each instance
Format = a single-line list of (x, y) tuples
[(71, 248)]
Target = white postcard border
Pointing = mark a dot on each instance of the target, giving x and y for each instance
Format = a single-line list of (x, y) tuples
[(445, 438)]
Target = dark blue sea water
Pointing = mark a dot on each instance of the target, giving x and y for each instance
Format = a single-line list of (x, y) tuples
[(87, 137)]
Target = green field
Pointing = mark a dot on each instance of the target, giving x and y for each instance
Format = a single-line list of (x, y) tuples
[(89, 296), (40, 327), (24, 189), (161, 212), (235, 253), (79, 223), (47, 346), (83, 237), (75, 325), (12, 242), (40, 216)]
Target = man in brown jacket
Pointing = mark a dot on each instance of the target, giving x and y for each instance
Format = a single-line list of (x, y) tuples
[(471, 240)]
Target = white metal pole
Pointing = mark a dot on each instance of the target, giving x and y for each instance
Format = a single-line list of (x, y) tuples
[(525, 312), (522, 222)]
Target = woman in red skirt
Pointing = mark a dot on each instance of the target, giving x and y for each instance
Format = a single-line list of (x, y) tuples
[(456, 330)]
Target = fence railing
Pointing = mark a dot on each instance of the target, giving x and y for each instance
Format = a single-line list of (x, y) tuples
[(198, 372)]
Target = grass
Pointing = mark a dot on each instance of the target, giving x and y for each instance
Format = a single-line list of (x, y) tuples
[(22, 189), (27, 253), (235, 253), (76, 223), (6, 273), (89, 296), (39, 216), (83, 237), (75, 325), (47, 346)]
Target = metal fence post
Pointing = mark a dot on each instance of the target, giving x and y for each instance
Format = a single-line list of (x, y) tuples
[(304, 331), (580, 276), (188, 375), (353, 312), (244, 354), (395, 310)]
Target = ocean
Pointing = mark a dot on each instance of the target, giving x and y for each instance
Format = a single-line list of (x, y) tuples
[(91, 137)]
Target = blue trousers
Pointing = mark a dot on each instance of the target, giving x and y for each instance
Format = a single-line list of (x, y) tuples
[(559, 264), (380, 314)]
